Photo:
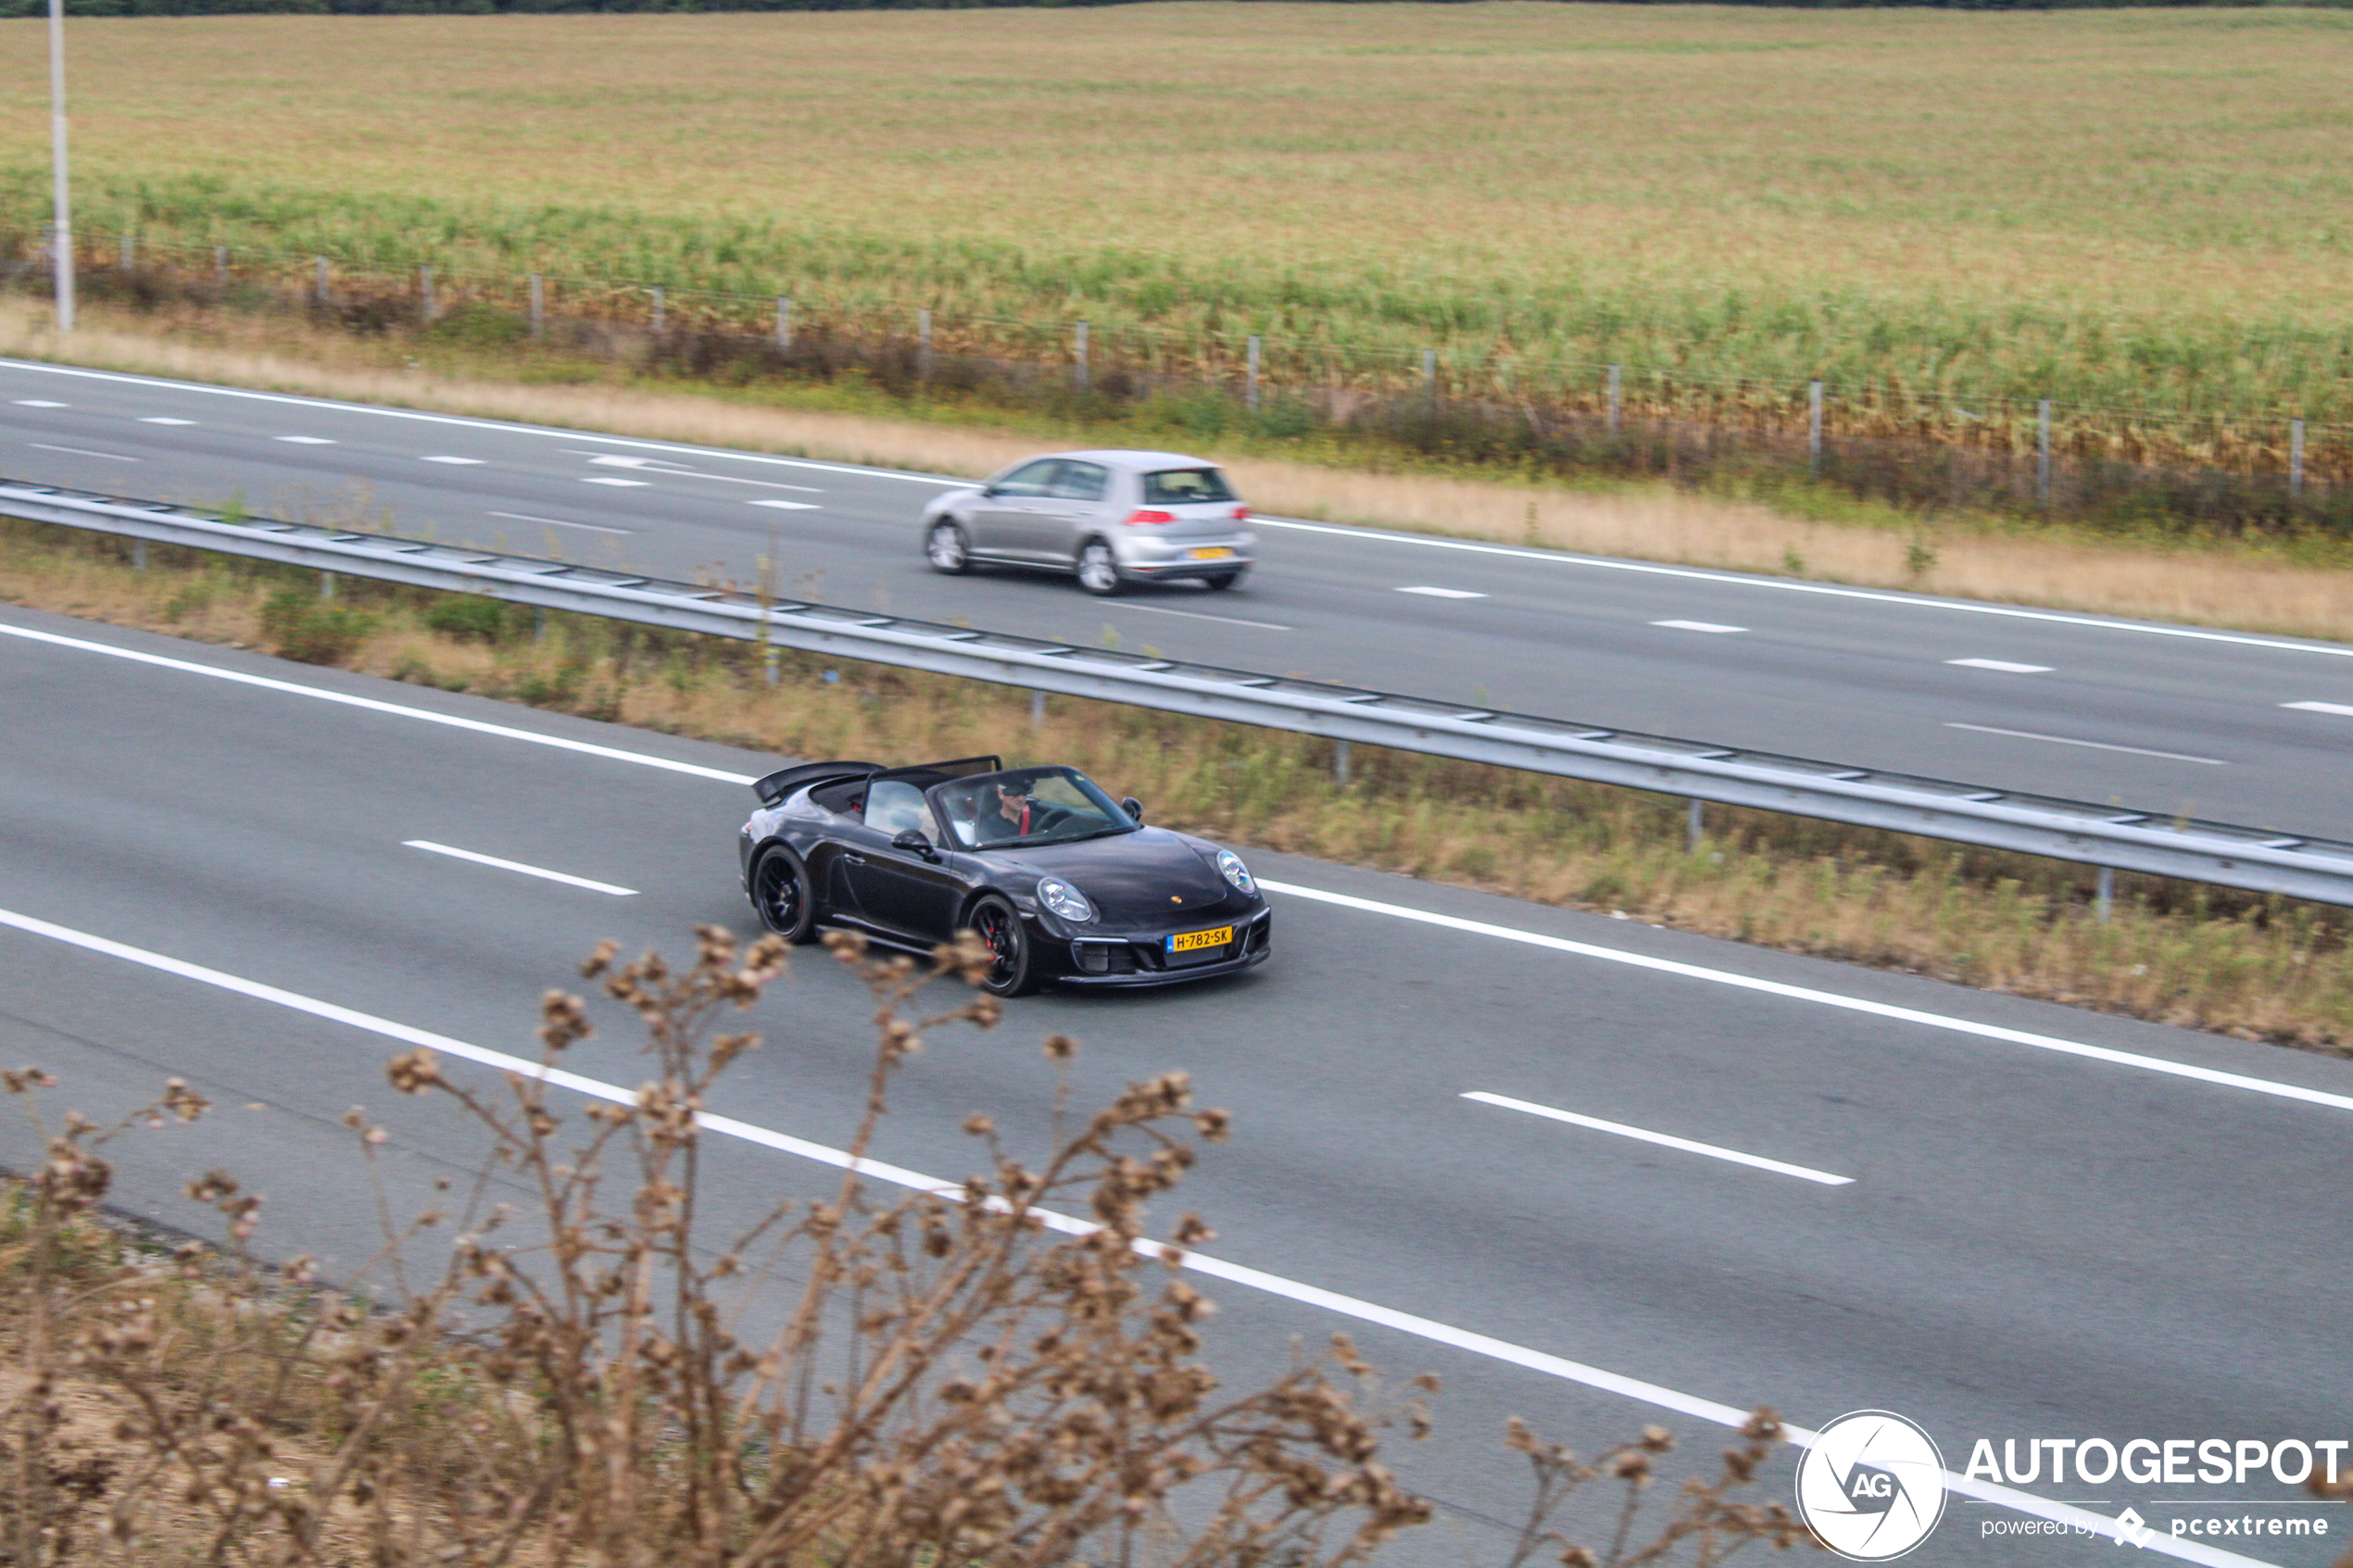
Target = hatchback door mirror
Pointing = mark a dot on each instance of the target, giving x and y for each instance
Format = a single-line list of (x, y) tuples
[(988, 490), (912, 842), (1135, 807)]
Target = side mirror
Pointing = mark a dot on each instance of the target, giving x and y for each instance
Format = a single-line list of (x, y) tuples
[(990, 490), (912, 842), (1135, 807)]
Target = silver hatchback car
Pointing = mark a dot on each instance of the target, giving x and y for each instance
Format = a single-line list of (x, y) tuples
[(1110, 519)]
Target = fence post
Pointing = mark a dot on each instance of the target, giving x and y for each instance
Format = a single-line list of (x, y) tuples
[(784, 321), (922, 344), (424, 293), (1814, 428), (319, 293), (661, 316), (538, 306), (1249, 393), (1079, 369), (2043, 453), (1613, 399), (221, 266), (2296, 459)]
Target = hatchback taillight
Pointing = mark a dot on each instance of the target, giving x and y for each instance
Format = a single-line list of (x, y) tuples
[(1241, 514), (1134, 518)]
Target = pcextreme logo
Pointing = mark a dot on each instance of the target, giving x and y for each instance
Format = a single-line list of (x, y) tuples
[(1873, 1486)]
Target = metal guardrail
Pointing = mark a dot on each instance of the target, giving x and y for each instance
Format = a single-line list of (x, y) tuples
[(2254, 858)]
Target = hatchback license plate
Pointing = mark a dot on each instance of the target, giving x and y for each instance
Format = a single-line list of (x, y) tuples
[(1194, 941), (1215, 552)]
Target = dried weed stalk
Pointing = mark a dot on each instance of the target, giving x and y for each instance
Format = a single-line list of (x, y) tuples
[(1005, 1372)]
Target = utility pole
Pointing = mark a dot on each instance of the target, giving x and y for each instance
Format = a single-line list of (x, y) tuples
[(61, 230)]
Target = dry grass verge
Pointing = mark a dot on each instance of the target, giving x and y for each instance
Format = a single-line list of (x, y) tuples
[(2300, 589), (605, 1375), (2257, 968)]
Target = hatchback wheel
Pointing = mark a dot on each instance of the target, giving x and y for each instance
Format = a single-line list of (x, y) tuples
[(1224, 580), (949, 551), (1099, 569)]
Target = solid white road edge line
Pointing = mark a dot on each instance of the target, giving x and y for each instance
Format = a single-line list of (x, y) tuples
[(564, 877), (372, 704), (1665, 1140), (1272, 1284), (1820, 999), (1400, 912), (2095, 745)]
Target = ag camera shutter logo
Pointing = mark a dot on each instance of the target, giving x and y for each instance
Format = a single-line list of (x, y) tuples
[(1873, 1486)]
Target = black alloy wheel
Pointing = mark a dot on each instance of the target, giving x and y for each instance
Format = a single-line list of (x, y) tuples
[(997, 924), (780, 894), (947, 549)]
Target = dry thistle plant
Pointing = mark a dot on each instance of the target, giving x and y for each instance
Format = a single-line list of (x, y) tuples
[(1004, 1372)]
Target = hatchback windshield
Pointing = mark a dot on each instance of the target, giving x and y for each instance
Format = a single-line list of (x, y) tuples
[(1180, 487), (1027, 805)]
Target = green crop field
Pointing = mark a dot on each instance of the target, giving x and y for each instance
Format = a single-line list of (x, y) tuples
[(2131, 207)]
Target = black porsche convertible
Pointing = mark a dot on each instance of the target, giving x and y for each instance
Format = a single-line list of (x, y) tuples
[(1062, 885)]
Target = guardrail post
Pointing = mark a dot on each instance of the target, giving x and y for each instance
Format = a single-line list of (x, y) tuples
[(1250, 387), (424, 293), (221, 266), (784, 321), (1430, 371), (923, 345), (1340, 763), (539, 623), (326, 585), (1814, 428), (1037, 710), (771, 665), (1613, 399), (538, 306), (2107, 899), (318, 292), (2296, 459), (130, 249), (138, 555), (1696, 826), (1078, 366), (2043, 453), (661, 319)]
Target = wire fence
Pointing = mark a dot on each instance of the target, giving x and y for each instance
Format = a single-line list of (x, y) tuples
[(2220, 471)]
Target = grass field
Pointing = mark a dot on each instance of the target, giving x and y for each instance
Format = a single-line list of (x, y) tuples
[(2129, 208)]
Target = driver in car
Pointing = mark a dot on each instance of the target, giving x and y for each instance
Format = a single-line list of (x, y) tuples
[(1014, 816)]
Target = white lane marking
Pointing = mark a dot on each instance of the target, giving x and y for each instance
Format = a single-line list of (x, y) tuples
[(1789, 585), (1442, 593), (1822, 999), (664, 466), (38, 403), (2340, 709), (559, 522), (1200, 615), (567, 879), (163, 420), (305, 440), (1714, 1151), (2095, 745), (444, 458), (2003, 665), (370, 704), (1419, 1327), (84, 452), (786, 506), (1697, 626), (609, 479), (462, 423)]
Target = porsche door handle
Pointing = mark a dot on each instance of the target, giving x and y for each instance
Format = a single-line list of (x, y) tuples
[(854, 859)]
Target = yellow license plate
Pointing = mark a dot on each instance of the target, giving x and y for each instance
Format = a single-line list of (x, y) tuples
[(1194, 941), (1215, 552)]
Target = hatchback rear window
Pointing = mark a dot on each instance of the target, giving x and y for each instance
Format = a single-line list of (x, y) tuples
[(1180, 487)]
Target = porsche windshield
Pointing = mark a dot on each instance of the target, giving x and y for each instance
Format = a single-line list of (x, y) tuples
[(1026, 805)]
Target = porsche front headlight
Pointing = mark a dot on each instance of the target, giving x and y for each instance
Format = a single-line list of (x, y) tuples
[(1063, 900), (1231, 866)]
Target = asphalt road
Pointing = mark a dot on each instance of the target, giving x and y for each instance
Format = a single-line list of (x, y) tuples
[(2170, 718), (2030, 1242)]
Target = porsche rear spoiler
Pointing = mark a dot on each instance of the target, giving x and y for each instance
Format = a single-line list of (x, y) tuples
[(772, 789)]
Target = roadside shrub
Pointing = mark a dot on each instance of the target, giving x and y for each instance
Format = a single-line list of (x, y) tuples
[(301, 626), (468, 618)]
